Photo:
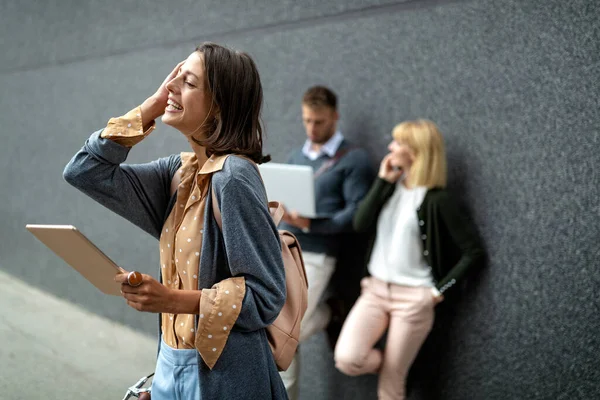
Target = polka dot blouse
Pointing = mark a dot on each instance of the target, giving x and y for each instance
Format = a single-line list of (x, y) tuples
[(180, 251)]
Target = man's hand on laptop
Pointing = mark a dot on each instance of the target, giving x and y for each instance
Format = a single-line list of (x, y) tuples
[(292, 218)]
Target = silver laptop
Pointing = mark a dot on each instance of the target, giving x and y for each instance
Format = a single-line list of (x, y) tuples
[(291, 185)]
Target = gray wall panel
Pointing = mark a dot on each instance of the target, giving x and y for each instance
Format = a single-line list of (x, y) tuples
[(67, 30), (512, 84)]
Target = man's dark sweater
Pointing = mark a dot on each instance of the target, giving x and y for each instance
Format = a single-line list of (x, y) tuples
[(338, 191)]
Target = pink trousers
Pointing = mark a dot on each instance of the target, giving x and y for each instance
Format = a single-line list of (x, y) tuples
[(407, 314)]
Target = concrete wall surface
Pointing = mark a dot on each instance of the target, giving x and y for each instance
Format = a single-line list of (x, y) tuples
[(512, 84)]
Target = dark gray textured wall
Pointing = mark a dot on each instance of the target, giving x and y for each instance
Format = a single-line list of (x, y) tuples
[(512, 84)]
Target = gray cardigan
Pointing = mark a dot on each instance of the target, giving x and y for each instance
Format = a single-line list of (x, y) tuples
[(140, 194)]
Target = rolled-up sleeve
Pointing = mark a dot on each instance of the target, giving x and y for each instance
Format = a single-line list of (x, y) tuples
[(127, 130), (220, 307)]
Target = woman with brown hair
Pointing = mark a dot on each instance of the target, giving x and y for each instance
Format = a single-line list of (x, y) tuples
[(423, 246), (218, 289)]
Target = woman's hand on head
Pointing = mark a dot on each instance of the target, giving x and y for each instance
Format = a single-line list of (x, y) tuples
[(155, 105), (387, 171), (149, 296), (162, 94)]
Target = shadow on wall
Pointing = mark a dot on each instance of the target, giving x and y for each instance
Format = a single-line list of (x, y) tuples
[(431, 373)]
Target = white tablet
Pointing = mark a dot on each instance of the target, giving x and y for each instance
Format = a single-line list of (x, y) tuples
[(81, 254), (291, 185)]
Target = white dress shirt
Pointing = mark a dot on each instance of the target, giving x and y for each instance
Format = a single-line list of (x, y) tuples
[(398, 251), (330, 147)]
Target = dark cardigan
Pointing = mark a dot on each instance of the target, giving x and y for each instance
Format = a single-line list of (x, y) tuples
[(450, 241)]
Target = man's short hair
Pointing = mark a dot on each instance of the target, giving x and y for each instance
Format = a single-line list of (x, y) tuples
[(320, 96)]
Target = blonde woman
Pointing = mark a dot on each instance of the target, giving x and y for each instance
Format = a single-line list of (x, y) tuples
[(423, 246)]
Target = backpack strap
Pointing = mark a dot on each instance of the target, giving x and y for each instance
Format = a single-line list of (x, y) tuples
[(277, 211), (275, 208)]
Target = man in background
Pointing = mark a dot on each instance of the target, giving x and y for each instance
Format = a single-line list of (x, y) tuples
[(343, 175)]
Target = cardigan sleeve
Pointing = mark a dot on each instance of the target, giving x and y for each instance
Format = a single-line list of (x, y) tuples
[(137, 192), (370, 207), (464, 235)]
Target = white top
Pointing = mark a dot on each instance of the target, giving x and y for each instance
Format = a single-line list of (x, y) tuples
[(398, 251), (330, 147)]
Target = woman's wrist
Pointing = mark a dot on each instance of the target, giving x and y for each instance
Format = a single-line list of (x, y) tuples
[(184, 301), (151, 109)]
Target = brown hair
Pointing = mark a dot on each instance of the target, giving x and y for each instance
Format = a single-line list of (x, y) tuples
[(320, 96), (234, 84)]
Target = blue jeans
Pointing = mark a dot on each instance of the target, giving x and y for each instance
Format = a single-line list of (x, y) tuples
[(176, 375)]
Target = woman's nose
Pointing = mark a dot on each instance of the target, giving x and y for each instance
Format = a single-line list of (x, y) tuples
[(172, 85)]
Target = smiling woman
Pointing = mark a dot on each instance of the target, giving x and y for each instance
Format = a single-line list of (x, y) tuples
[(219, 288)]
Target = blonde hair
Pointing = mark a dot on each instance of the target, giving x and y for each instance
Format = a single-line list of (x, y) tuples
[(424, 138)]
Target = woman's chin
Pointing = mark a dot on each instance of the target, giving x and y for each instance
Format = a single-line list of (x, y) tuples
[(170, 119)]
